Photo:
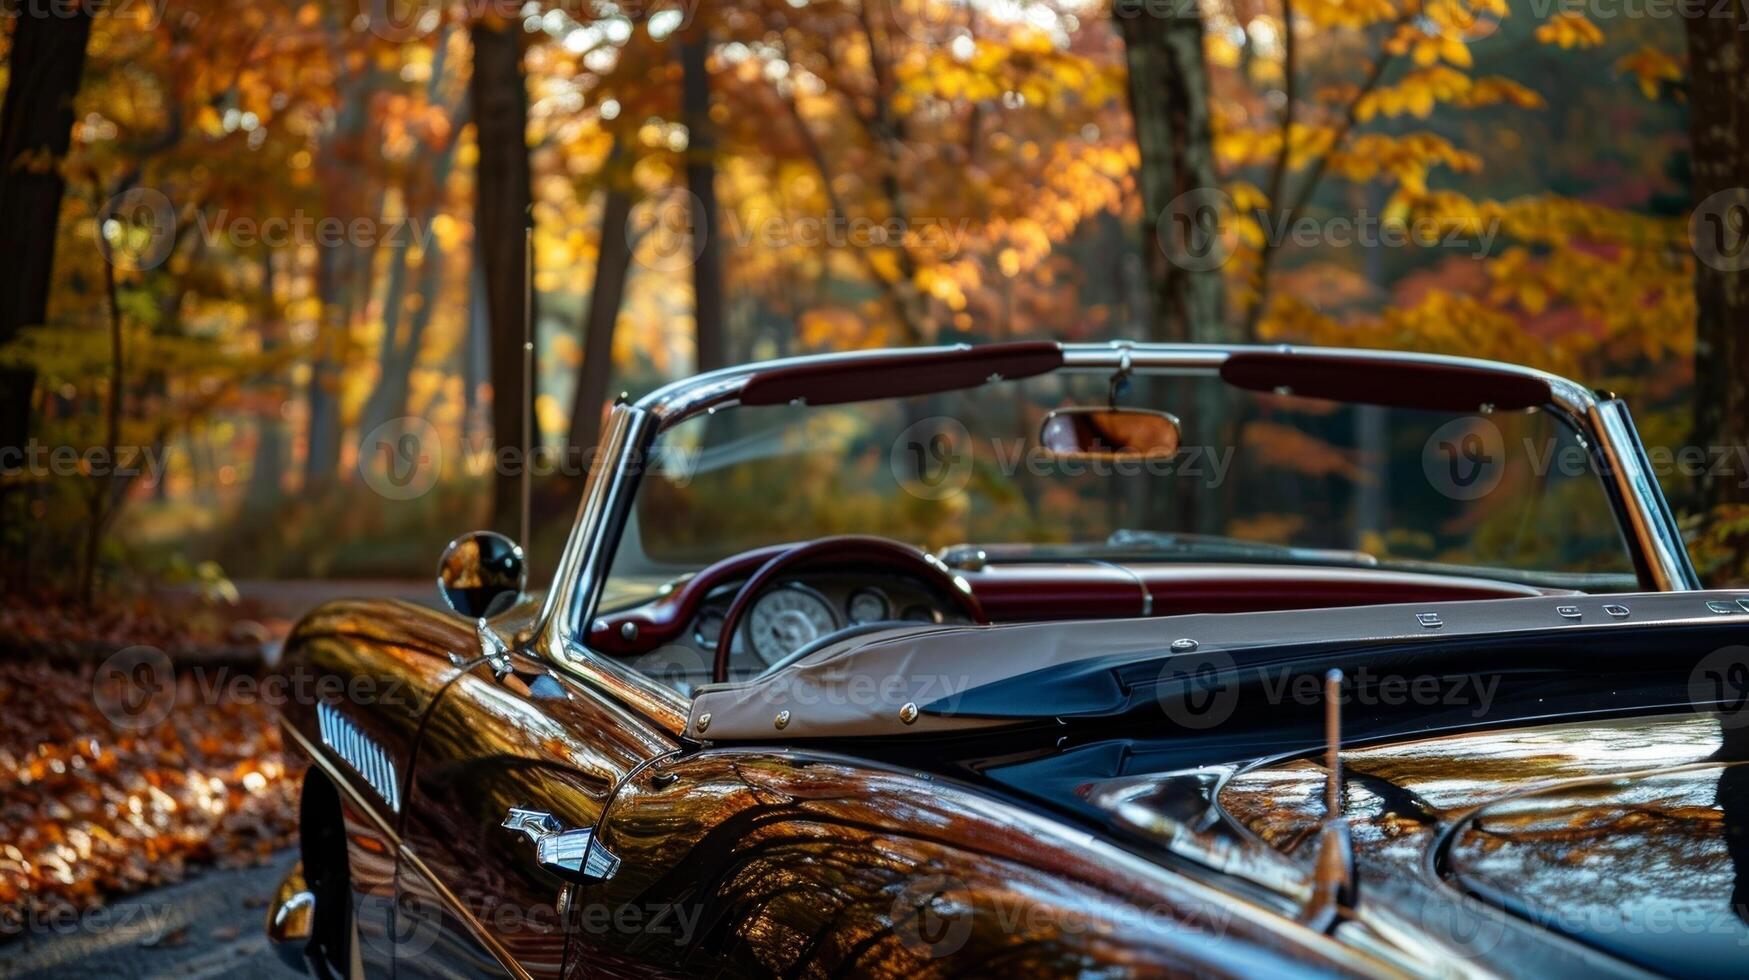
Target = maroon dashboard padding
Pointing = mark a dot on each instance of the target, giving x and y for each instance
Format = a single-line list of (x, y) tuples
[(1391, 383), (901, 374)]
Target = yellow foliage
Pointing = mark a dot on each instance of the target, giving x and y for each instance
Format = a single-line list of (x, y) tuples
[(1649, 66), (1569, 30)]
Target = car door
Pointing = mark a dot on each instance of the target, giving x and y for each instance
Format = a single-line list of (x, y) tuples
[(535, 740)]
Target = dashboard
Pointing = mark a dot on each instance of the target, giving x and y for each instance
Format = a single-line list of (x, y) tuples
[(673, 637), (797, 611)]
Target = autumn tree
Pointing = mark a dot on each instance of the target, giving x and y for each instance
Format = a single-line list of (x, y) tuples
[(501, 219), (1718, 59), (1169, 103), (46, 59)]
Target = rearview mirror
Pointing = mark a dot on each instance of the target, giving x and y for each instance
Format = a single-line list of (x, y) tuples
[(1109, 434), (481, 574)]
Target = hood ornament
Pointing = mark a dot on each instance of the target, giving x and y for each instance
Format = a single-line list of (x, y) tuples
[(1333, 878)]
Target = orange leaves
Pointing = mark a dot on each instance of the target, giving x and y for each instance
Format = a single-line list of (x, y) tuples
[(1495, 90), (1406, 158), (1416, 94), (1569, 30), (1426, 48), (1355, 14), (93, 811), (1649, 67)]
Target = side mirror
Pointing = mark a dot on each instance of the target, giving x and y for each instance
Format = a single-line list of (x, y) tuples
[(481, 573), (1109, 434)]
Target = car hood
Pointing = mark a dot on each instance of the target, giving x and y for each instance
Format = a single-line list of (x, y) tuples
[(1627, 837)]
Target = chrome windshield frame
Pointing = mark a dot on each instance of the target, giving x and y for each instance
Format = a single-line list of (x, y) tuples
[(1601, 422)]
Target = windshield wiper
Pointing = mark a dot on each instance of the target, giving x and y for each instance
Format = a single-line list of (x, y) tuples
[(1211, 545)]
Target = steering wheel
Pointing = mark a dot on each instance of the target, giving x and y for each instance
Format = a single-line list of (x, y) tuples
[(859, 549)]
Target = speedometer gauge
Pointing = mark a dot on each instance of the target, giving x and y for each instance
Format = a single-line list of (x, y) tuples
[(786, 619), (868, 606)]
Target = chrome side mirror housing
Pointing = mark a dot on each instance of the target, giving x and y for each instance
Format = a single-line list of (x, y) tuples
[(481, 574)]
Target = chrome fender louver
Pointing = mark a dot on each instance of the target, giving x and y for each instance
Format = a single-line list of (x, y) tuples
[(361, 752)]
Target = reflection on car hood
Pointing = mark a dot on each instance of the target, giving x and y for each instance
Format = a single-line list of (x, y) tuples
[(1630, 836)]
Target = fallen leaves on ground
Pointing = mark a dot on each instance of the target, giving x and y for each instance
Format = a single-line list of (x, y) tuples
[(90, 810)]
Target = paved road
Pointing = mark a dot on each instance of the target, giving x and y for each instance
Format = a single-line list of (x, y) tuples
[(207, 926)]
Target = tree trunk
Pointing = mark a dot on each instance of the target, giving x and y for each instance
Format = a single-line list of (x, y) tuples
[(612, 261), (321, 393), (266, 476), (1718, 58), (1168, 85), (46, 58), (701, 180), (501, 217)]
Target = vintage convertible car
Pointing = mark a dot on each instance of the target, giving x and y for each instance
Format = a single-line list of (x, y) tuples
[(1044, 658)]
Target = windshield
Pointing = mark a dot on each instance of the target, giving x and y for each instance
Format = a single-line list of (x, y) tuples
[(1258, 478)]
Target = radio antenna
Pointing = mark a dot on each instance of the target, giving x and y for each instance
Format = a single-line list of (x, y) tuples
[(1333, 878), (527, 372)]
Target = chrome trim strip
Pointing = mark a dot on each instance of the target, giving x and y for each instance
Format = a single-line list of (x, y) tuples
[(1647, 510), (577, 583), (1141, 583)]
